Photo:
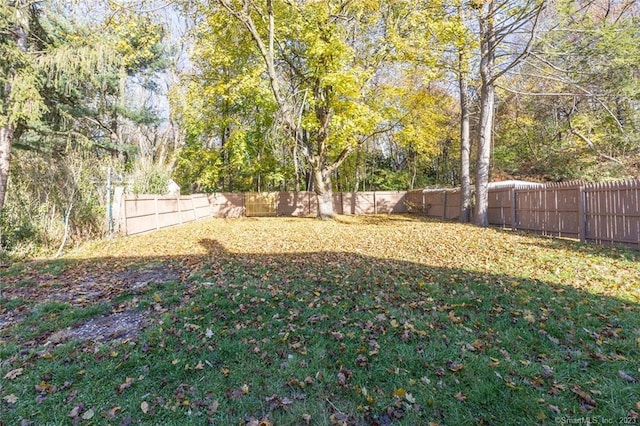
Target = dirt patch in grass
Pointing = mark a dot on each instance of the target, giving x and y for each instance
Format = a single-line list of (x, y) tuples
[(117, 326), (83, 284)]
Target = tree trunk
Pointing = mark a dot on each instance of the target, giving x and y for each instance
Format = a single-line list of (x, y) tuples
[(356, 180), (7, 132), (324, 194), (487, 99), (6, 139), (465, 147)]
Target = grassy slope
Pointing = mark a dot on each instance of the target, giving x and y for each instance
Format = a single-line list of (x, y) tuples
[(363, 320)]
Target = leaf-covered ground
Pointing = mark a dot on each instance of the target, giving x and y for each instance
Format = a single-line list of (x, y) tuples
[(372, 320)]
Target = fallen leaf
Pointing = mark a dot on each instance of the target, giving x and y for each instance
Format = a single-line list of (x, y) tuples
[(547, 371), (128, 382), (455, 366), (113, 412), (10, 399), (626, 377), (555, 389), (362, 361), (478, 345), (88, 415), (337, 335), (13, 374), (44, 387), (213, 408), (144, 406), (588, 402), (460, 396), (400, 393), (343, 376), (75, 411), (529, 317)]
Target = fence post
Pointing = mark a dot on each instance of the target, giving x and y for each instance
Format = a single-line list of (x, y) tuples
[(514, 209), (375, 206), (179, 209), (582, 214), (155, 204), (444, 204), (126, 215), (193, 206)]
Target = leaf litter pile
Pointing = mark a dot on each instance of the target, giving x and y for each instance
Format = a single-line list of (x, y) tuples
[(369, 320)]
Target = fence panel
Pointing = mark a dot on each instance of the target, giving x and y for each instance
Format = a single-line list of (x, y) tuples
[(140, 214), (201, 206), (359, 202), (338, 203), (434, 203), (261, 204), (226, 204), (150, 212), (612, 213), (454, 202), (500, 206), (294, 203), (562, 214), (530, 209), (414, 201), (390, 202)]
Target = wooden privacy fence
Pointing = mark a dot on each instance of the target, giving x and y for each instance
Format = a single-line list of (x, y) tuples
[(146, 213), (601, 213), (143, 213), (607, 213)]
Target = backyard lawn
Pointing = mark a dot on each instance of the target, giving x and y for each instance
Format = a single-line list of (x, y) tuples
[(368, 320)]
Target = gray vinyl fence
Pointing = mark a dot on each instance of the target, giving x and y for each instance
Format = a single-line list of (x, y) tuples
[(600, 213)]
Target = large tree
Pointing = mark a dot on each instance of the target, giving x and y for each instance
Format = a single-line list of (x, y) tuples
[(322, 61), (18, 98), (507, 30)]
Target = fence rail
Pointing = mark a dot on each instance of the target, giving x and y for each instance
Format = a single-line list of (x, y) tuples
[(600, 213)]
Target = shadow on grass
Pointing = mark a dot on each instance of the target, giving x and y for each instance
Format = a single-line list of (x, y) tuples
[(323, 338)]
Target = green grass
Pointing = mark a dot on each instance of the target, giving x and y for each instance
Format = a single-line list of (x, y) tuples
[(379, 321)]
